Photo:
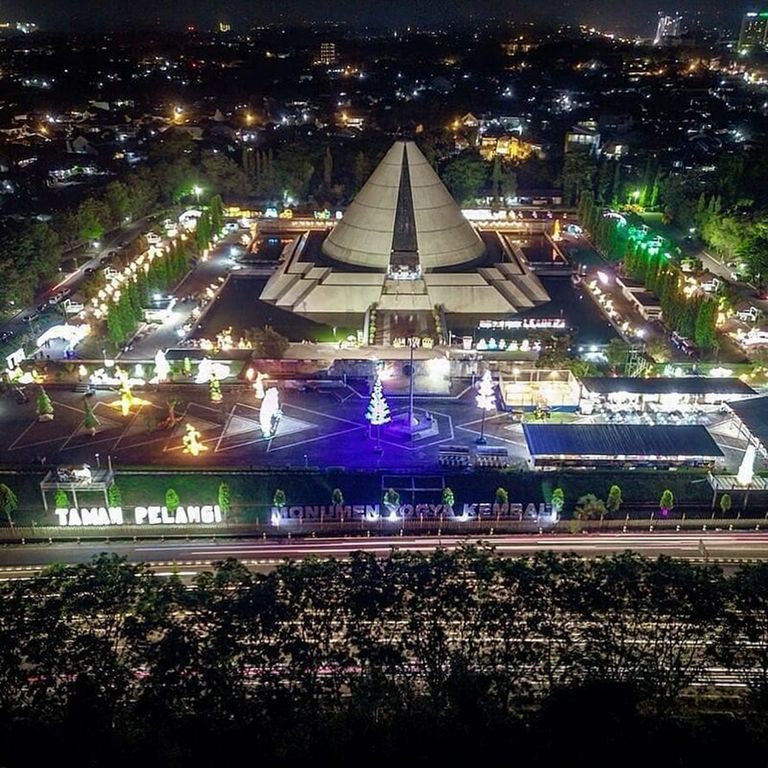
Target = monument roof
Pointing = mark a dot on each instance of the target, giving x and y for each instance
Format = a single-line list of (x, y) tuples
[(403, 210)]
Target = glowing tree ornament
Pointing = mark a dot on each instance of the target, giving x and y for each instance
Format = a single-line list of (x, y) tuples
[(162, 367), (747, 469), (126, 396), (191, 441), (378, 411), (486, 401), (270, 413), (208, 369), (258, 385)]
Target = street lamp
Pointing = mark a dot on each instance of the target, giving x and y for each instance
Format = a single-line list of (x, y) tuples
[(197, 189)]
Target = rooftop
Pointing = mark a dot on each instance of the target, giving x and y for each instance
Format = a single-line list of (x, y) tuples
[(685, 385), (619, 441), (753, 412)]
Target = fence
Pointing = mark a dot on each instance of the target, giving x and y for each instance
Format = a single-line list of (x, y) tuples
[(479, 527)]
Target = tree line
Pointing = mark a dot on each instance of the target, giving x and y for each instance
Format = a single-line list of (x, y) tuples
[(106, 651), (728, 205), (125, 314), (693, 316)]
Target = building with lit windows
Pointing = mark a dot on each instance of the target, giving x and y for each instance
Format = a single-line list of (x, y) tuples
[(667, 28), (327, 53), (584, 136), (754, 31)]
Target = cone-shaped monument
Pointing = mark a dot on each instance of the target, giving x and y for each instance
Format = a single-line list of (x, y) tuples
[(404, 246), (405, 209)]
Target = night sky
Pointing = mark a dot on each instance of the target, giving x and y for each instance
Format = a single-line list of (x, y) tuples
[(630, 15)]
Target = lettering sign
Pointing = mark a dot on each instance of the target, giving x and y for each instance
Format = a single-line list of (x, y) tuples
[(555, 323), (395, 512), (73, 517)]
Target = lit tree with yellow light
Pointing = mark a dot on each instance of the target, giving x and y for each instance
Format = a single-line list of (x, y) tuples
[(192, 443), (126, 396), (215, 389)]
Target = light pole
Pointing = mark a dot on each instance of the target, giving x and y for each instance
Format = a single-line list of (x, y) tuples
[(486, 401), (410, 386)]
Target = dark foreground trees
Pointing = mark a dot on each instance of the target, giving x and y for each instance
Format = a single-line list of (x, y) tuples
[(457, 656)]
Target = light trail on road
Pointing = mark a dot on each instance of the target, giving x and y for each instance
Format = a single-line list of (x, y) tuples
[(729, 548)]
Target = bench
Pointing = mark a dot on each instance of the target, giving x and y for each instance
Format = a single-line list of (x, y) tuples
[(453, 456), (492, 457)]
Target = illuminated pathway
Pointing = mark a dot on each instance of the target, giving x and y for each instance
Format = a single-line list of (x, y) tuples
[(188, 557)]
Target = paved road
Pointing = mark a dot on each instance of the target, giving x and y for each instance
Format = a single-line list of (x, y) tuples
[(190, 557), (219, 263), (710, 261), (19, 323)]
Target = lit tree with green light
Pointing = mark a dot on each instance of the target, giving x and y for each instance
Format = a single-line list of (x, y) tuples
[(8, 502), (172, 500), (114, 496), (90, 422), (44, 406), (225, 498), (557, 502), (614, 500), (666, 503)]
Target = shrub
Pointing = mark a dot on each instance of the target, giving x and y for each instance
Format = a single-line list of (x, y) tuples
[(589, 507)]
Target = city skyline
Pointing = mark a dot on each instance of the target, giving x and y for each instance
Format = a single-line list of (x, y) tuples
[(634, 17)]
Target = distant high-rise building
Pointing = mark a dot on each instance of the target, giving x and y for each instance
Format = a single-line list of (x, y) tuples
[(327, 53), (666, 28), (754, 30)]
